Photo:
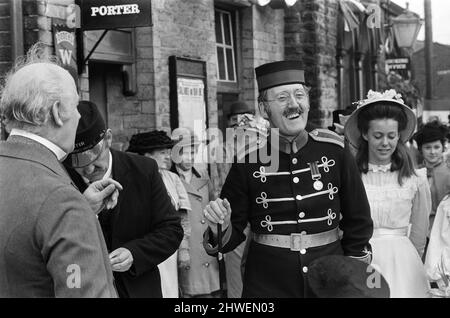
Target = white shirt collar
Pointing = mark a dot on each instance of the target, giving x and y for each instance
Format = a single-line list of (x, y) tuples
[(380, 168), (108, 173), (59, 153)]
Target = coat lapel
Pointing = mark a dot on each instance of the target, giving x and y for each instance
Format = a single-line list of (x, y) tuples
[(120, 173)]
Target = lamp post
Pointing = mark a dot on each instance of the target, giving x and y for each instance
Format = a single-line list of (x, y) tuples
[(406, 28)]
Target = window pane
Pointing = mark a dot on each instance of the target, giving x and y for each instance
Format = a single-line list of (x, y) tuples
[(226, 28), (230, 59), (221, 63), (219, 38)]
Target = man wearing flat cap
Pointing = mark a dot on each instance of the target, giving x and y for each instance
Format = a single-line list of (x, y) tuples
[(313, 205), (143, 229)]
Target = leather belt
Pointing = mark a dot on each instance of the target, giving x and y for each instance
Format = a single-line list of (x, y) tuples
[(297, 241)]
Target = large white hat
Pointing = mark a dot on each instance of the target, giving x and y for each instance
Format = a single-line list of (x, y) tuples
[(353, 134)]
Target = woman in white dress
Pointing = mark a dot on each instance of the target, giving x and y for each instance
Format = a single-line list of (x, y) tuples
[(437, 262), (399, 195)]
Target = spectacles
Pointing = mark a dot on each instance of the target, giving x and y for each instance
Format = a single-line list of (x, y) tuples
[(284, 98)]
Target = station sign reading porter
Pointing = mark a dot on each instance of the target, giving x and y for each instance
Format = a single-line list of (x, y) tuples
[(114, 14)]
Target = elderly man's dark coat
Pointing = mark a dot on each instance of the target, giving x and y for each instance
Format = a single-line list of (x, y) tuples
[(144, 221)]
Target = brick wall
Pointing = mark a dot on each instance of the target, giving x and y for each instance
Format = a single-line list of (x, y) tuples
[(310, 36), (262, 42), (185, 29), (5, 37)]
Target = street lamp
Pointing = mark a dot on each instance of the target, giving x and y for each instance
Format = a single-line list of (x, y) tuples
[(406, 28), (276, 4)]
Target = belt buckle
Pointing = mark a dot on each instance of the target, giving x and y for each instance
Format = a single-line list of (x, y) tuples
[(296, 242)]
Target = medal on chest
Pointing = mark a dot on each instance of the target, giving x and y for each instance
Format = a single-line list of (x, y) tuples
[(315, 176)]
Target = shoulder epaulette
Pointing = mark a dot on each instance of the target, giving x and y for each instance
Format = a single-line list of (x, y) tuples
[(250, 147), (326, 135)]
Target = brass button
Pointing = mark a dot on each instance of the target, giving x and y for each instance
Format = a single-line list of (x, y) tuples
[(303, 251), (296, 180), (303, 233), (298, 197), (200, 199), (315, 133), (202, 222), (294, 161), (305, 269), (206, 264), (301, 215)]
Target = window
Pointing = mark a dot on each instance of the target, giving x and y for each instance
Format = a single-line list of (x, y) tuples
[(226, 64)]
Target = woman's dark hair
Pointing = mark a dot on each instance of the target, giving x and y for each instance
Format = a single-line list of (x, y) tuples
[(401, 158)]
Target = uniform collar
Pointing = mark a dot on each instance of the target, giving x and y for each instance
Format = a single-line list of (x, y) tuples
[(293, 146), (59, 153)]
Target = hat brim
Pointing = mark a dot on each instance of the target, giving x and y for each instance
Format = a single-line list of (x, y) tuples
[(353, 135), (85, 158)]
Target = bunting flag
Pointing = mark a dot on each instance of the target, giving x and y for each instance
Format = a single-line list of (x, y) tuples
[(65, 48), (351, 20)]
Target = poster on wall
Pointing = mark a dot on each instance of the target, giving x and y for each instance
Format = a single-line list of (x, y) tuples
[(191, 100), (192, 110), (65, 48)]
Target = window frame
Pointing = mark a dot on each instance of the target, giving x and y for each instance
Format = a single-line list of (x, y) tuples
[(223, 46)]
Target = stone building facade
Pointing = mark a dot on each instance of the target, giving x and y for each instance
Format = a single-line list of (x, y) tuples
[(309, 31)]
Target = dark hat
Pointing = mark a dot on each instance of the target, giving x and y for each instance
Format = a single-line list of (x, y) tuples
[(338, 276), (90, 133), (91, 127), (148, 141), (240, 107), (430, 132), (279, 73)]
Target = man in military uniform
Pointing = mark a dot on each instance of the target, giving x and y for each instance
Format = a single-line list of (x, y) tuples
[(313, 205)]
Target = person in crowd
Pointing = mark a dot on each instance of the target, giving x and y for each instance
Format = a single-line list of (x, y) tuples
[(437, 260), (157, 145), (431, 144), (50, 241), (201, 278), (143, 229), (295, 211), (399, 195)]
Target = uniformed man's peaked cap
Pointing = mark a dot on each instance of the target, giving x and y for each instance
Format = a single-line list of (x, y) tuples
[(279, 73)]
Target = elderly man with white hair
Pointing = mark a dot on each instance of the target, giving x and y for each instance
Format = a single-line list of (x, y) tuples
[(51, 244)]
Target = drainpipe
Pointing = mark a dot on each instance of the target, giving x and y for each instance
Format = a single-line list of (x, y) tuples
[(16, 16)]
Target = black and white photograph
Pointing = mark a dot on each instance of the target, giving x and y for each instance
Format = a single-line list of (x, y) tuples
[(219, 156)]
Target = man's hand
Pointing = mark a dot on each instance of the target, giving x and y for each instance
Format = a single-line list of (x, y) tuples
[(121, 260), (102, 194), (218, 211)]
